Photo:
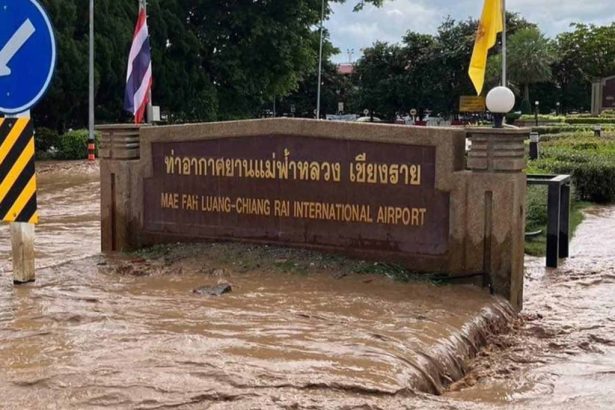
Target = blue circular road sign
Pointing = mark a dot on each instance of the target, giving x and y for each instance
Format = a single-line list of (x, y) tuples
[(27, 54)]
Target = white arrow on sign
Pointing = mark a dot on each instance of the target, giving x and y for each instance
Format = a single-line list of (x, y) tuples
[(15, 43)]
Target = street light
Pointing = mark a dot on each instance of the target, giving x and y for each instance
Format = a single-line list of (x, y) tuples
[(322, 22), (350, 52), (500, 101), (557, 107), (537, 104)]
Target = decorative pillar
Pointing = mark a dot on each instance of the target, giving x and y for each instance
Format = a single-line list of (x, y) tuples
[(119, 159), (497, 193)]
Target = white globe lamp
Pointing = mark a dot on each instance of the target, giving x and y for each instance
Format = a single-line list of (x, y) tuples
[(500, 101)]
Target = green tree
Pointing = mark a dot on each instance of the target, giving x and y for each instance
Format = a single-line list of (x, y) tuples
[(589, 50), (424, 71), (530, 55), (212, 59), (585, 53), (382, 75)]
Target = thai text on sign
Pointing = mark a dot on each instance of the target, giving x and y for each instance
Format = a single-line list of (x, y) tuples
[(326, 193)]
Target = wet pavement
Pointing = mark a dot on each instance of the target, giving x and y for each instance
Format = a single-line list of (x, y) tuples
[(297, 331)]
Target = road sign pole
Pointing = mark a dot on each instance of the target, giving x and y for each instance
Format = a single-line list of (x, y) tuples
[(27, 62), (91, 119), (22, 243)]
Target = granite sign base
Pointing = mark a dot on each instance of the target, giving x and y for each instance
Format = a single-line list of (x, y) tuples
[(391, 193)]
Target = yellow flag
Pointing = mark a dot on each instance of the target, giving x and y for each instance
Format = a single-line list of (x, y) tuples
[(491, 23)]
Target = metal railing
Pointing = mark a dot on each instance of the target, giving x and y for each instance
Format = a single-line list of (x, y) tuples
[(558, 210)]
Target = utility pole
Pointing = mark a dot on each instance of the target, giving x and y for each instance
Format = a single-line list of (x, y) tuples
[(91, 137), (322, 20)]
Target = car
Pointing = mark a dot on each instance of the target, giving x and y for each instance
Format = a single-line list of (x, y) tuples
[(368, 119)]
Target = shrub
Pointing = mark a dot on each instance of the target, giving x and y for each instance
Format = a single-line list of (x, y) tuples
[(567, 128), (74, 145), (590, 161), (537, 217), (591, 120), (45, 138), (511, 117), (543, 118), (593, 179)]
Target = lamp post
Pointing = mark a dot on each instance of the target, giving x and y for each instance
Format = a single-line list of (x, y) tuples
[(500, 101), (322, 22), (350, 52), (536, 104), (557, 107)]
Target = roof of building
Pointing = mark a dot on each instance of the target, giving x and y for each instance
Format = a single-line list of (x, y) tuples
[(345, 69)]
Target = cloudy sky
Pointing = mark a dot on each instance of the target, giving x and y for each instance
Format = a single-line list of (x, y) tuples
[(358, 30)]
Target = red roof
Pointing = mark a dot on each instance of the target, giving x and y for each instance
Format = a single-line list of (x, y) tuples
[(345, 69)]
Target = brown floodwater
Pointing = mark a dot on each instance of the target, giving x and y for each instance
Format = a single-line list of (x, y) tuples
[(299, 330), (561, 354)]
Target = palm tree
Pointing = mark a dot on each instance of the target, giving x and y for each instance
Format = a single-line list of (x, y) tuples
[(530, 55)]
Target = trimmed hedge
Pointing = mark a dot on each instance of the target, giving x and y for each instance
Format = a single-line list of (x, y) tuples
[(45, 138), (566, 128), (591, 120), (543, 118), (590, 161), (74, 145), (606, 117)]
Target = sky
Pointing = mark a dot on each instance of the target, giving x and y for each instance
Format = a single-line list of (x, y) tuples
[(354, 31)]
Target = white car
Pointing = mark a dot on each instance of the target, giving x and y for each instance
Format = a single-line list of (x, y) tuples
[(368, 119)]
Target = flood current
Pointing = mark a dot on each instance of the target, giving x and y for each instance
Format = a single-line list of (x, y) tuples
[(298, 331)]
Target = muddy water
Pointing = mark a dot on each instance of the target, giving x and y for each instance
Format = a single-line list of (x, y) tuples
[(69, 208), (298, 331), (562, 352)]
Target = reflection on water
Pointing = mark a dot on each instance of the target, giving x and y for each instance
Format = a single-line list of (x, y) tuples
[(129, 333)]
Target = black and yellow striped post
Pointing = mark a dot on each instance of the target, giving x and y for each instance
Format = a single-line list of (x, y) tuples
[(18, 192)]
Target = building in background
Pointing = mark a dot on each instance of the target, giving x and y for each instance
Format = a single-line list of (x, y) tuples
[(345, 69), (603, 95)]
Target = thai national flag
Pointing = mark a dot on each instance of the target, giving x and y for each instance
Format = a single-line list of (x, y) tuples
[(139, 75)]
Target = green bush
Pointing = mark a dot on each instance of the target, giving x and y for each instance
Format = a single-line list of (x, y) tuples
[(565, 135), (511, 117), (74, 145), (591, 120), (537, 217), (567, 128), (594, 179), (590, 161), (45, 138), (543, 118)]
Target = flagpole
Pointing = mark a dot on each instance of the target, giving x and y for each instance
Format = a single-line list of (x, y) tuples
[(322, 20), (149, 112), (504, 63)]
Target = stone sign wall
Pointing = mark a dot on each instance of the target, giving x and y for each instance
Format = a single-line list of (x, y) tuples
[(280, 189), (391, 193), (603, 95), (608, 93)]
